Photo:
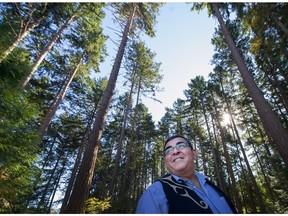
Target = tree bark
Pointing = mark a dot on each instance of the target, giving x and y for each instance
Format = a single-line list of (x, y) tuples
[(269, 119), (78, 160), (27, 29), (83, 182), (227, 157), (255, 186), (45, 51), (279, 23), (120, 142), (59, 98)]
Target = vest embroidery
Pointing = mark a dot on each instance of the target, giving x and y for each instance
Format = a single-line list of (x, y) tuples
[(168, 180)]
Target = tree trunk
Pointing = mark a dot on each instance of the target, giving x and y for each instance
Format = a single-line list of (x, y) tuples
[(216, 161), (227, 157), (45, 51), (280, 92), (135, 131), (45, 161), (124, 194), (255, 186), (235, 194), (269, 119), (52, 110), (27, 29), (251, 199), (120, 142), (78, 160), (279, 23), (83, 182), (221, 180), (44, 194), (203, 152), (263, 172), (56, 184)]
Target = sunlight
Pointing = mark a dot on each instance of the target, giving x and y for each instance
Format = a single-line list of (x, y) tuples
[(226, 119)]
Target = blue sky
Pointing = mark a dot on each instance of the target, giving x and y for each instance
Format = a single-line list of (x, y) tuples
[(183, 46)]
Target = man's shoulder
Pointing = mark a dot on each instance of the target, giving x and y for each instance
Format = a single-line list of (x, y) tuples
[(155, 185), (155, 190)]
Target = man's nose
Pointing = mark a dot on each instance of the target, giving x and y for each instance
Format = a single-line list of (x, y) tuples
[(175, 151)]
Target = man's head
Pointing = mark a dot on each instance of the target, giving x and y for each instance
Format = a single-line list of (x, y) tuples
[(179, 156), (176, 136)]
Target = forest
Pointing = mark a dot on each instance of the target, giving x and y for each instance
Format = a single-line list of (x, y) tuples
[(70, 142)]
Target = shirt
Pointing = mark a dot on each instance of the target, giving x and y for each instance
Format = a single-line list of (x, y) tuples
[(154, 201)]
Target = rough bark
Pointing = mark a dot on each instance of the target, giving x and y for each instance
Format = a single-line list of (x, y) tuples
[(59, 98), (83, 182), (45, 51), (269, 119)]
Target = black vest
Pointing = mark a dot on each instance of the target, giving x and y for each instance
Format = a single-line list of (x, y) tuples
[(182, 199)]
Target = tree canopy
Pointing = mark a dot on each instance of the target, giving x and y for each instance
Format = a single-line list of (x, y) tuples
[(70, 136)]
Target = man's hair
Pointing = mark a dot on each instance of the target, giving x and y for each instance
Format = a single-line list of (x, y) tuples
[(176, 136)]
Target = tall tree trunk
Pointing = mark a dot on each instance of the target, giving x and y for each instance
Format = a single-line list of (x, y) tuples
[(263, 172), (226, 154), (279, 23), (44, 164), (269, 119), (201, 144), (282, 95), (56, 184), (216, 161), (23, 33), (120, 142), (221, 180), (235, 194), (83, 182), (53, 108), (255, 186), (128, 166), (44, 194), (251, 199), (133, 170), (78, 160), (45, 51)]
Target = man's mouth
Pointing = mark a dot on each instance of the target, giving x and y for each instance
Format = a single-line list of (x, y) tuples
[(178, 158)]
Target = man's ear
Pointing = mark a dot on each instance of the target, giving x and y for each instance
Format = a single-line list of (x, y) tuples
[(194, 152)]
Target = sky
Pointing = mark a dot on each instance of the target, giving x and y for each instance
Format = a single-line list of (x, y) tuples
[(183, 46)]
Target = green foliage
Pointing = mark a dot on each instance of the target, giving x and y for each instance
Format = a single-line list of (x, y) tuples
[(14, 67), (199, 116), (96, 206), (18, 144)]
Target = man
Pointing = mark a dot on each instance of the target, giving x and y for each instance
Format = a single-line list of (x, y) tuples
[(183, 190)]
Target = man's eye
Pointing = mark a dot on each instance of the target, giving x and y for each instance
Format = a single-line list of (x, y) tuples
[(169, 149), (181, 146)]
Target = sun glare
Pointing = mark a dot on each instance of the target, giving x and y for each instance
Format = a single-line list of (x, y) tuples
[(226, 119)]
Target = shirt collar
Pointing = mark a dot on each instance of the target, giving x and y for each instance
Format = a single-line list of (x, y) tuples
[(201, 178)]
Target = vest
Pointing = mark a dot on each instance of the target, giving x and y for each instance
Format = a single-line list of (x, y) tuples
[(182, 199)]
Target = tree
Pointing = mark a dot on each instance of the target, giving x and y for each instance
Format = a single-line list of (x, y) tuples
[(269, 119), (133, 13), (17, 151), (47, 48), (145, 71), (97, 90), (58, 99), (25, 17)]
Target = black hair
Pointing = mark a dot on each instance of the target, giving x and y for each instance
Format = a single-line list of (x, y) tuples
[(176, 136)]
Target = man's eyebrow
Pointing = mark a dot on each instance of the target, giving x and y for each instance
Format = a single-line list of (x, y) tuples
[(168, 147), (181, 142), (176, 144)]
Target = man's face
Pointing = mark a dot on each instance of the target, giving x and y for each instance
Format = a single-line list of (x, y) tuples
[(180, 162)]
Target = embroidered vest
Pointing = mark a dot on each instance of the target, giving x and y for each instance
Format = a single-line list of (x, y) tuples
[(181, 198)]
